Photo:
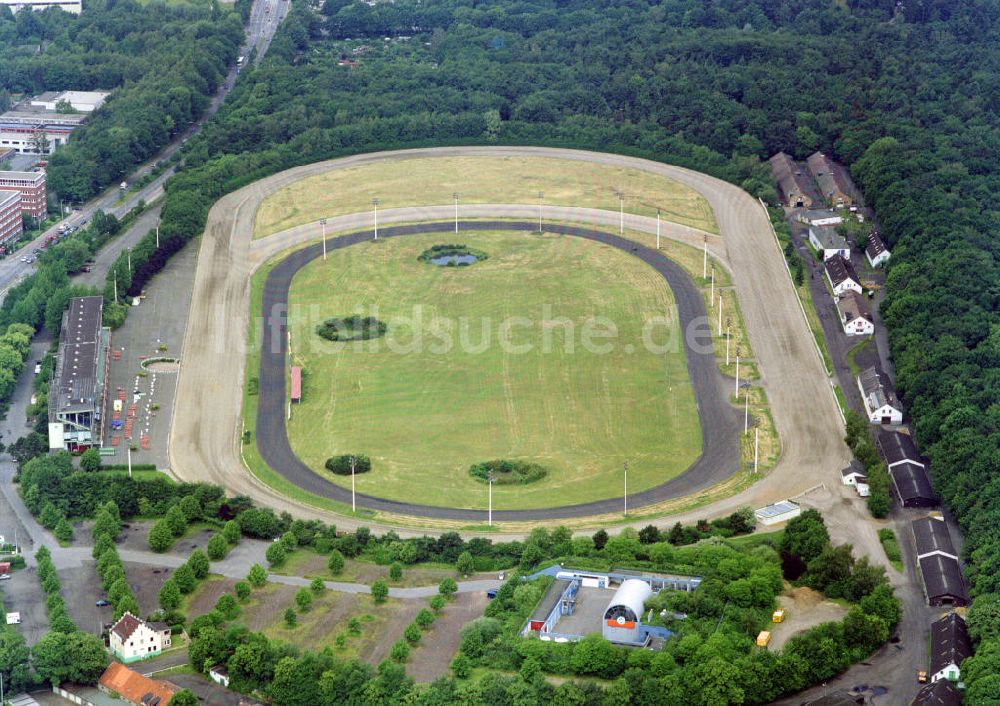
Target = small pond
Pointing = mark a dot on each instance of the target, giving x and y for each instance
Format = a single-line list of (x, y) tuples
[(445, 260)]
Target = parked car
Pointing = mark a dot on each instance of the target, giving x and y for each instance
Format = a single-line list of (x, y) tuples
[(491, 594), (102, 603), (4, 577)]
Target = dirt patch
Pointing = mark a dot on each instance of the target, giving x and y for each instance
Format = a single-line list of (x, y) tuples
[(266, 605), (309, 564), (804, 608), (135, 537), (81, 588), (439, 644), (146, 582)]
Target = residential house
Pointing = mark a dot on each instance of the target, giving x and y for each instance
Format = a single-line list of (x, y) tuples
[(841, 275), (793, 183), (829, 242), (831, 180), (132, 638), (823, 217), (950, 645), (219, 674), (134, 688), (855, 316), (854, 475), (939, 693), (875, 250), (879, 399)]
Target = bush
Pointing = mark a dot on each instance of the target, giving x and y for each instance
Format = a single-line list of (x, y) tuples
[(184, 578), (291, 618), (412, 633), (90, 460), (461, 666), (199, 564), (395, 571), (351, 328), (380, 591), (341, 465), (317, 586), (424, 619), (437, 603), (176, 520), (242, 589), (217, 547), (335, 563), (160, 537), (400, 652), (447, 587), (257, 576), (231, 531), (508, 472), (465, 564), (227, 606), (170, 595), (64, 530), (303, 599), (275, 554)]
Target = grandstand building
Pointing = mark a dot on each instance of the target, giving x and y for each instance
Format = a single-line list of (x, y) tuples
[(78, 389)]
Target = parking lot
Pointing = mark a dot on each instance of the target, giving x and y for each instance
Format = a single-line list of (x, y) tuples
[(154, 328)]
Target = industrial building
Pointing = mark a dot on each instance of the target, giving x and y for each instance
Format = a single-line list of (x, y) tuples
[(906, 468), (792, 181), (831, 179), (11, 220), (35, 126), (939, 693), (938, 560), (31, 186), (79, 386), (580, 603), (74, 7)]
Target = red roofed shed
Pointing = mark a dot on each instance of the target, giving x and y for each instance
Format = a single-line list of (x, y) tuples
[(296, 384)]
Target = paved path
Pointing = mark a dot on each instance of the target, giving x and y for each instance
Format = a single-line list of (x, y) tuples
[(205, 437), (720, 455)]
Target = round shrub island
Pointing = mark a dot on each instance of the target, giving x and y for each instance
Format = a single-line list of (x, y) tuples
[(351, 328), (508, 472), (341, 465), (452, 255)]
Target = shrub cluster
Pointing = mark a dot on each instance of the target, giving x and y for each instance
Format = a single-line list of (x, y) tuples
[(351, 328), (342, 465), (55, 606), (184, 580), (508, 472), (436, 251), (107, 526)]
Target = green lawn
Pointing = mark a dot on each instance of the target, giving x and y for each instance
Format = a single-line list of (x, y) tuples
[(434, 180), (424, 411)]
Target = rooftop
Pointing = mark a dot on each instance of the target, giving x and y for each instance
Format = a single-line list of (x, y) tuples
[(550, 600), (852, 305), (826, 174), (931, 535), (8, 198), (821, 214), (877, 388), (791, 180), (828, 237), (940, 693), (840, 270), (778, 508), (897, 447), (943, 578), (875, 246), (126, 625), (911, 482), (949, 642), (79, 344), (855, 467), (23, 176), (136, 688)]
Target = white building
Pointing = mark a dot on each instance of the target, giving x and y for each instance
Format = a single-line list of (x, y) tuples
[(875, 250), (950, 646), (841, 275), (82, 101), (623, 615), (821, 217), (854, 474), (777, 513), (132, 638), (855, 317), (72, 6), (880, 400), (828, 241)]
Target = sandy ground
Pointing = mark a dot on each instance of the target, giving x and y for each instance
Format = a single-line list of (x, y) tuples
[(204, 439), (804, 608)]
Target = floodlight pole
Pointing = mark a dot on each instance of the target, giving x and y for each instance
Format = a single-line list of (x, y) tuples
[(375, 204), (540, 197), (720, 314), (455, 196), (354, 506), (704, 259), (157, 235), (657, 229), (746, 413), (322, 222), (490, 515), (116, 287), (727, 341), (128, 255), (626, 488), (711, 296), (756, 447), (129, 475), (737, 374)]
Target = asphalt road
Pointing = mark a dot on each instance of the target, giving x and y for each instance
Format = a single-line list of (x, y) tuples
[(720, 455), (205, 437)]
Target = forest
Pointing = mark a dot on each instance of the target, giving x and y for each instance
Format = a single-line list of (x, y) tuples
[(161, 63)]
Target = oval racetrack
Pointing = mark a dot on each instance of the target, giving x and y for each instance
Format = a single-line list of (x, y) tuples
[(719, 427), (205, 434)]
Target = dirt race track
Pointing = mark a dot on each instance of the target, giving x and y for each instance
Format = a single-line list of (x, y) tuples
[(204, 443)]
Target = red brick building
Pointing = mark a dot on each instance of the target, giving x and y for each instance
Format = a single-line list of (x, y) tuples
[(32, 188), (11, 222)]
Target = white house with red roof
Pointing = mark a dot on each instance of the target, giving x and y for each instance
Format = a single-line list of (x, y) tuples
[(132, 638)]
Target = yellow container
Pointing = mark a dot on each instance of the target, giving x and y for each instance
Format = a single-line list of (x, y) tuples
[(778, 616), (763, 638)]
